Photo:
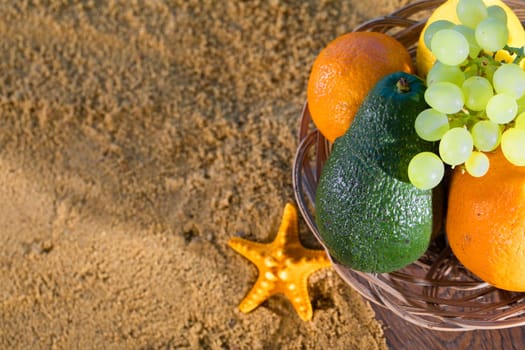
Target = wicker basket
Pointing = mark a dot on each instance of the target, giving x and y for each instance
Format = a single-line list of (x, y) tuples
[(436, 291)]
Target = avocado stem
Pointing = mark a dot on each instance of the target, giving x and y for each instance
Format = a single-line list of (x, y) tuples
[(402, 85)]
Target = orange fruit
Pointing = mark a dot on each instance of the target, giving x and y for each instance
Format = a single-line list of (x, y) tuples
[(345, 71), (486, 222)]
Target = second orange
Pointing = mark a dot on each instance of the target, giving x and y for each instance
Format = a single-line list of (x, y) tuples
[(345, 71)]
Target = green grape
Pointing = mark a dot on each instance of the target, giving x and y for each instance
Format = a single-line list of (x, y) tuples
[(425, 170), (509, 79), (430, 124), (519, 122), (470, 71), (469, 34), (477, 92), (497, 12), (456, 123), (477, 164), (488, 71), (521, 104), (513, 145), (456, 146), (442, 72), (444, 97), (502, 108), (486, 135), (471, 12), (433, 28), (450, 47), (491, 34)]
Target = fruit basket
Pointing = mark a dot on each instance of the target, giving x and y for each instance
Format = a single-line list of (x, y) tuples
[(435, 292)]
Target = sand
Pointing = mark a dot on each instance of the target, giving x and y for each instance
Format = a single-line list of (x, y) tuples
[(136, 138)]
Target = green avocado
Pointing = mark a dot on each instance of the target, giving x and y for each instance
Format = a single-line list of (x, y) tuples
[(370, 217)]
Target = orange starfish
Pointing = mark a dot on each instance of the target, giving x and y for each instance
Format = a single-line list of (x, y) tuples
[(284, 266)]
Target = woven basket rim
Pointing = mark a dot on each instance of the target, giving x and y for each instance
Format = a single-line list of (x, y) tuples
[(435, 292)]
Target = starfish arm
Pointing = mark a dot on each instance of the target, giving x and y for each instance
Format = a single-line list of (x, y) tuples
[(261, 290), (307, 258), (252, 251), (297, 293), (316, 258), (289, 230), (297, 288)]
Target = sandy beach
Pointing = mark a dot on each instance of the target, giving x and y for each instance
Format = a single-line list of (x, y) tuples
[(136, 138)]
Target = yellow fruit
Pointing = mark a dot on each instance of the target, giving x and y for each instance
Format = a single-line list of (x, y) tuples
[(447, 11)]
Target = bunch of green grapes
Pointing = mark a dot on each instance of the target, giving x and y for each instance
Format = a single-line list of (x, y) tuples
[(476, 102)]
